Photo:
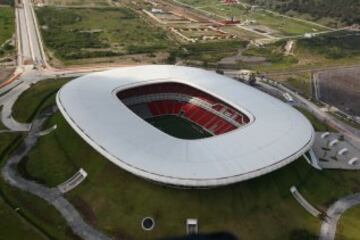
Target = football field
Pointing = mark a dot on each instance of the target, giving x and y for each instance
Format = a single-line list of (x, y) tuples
[(178, 127)]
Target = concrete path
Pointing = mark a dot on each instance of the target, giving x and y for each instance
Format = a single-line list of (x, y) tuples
[(51, 195), (334, 212)]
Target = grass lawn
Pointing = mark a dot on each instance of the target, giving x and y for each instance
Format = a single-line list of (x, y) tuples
[(348, 227), (34, 217), (7, 28), (301, 83), (6, 23), (39, 95), (94, 33), (178, 127), (280, 25), (116, 201), (12, 226), (317, 124)]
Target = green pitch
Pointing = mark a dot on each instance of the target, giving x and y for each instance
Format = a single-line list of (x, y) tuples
[(178, 127)]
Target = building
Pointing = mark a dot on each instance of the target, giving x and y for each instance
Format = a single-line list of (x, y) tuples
[(238, 132)]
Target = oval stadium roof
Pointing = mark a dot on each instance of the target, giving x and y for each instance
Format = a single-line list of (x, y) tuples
[(276, 135)]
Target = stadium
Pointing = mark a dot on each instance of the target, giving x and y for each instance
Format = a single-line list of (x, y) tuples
[(184, 126)]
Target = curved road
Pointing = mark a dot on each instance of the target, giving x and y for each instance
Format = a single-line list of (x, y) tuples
[(51, 195)]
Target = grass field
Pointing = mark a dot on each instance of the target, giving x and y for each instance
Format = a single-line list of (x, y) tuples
[(6, 23), (178, 127), (39, 95), (33, 218), (348, 227), (94, 33), (12, 225), (115, 201), (7, 28), (281, 26)]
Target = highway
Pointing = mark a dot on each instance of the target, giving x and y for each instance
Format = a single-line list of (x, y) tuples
[(29, 40)]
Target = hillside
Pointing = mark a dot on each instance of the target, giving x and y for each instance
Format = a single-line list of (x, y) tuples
[(346, 11)]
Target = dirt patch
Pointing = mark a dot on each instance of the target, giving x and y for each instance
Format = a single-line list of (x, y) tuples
[(341, 88), (85, 210), (5, 73)]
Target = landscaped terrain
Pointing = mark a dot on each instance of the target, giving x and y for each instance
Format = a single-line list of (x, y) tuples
[(239, 208), (349, 225), (24, 216), (39, 95)]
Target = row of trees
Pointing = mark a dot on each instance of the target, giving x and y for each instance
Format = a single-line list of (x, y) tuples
[(347, 11)]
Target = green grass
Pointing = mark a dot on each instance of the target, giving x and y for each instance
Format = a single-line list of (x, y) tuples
[(280, 25), (7, 26), (34, 217), (93, 33), (41, 94), (340, 48), (178, 127), (6, 23), (335, 45), (36, 165), (348, 227), (301, 83), (115, 201), (318, 125), (12, 226)]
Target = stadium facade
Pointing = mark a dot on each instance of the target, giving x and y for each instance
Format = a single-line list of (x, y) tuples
[(248, 133)]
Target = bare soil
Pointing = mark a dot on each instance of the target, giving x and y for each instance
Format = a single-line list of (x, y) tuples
[(341, 88), (5, 73)]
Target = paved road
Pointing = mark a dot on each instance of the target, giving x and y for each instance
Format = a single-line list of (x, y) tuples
[(334, 212), (29, 40), (51, 195)]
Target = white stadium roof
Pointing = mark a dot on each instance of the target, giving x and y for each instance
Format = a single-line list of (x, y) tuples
[(276, 135)]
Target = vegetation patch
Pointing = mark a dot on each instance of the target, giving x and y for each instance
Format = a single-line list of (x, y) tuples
[(347, 11), (334, 45), (206, 53), (7, 27), (93, 33), (113, 202), (274, 54), (348, 227), (25, 216), (40, 95), (274, 24)]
